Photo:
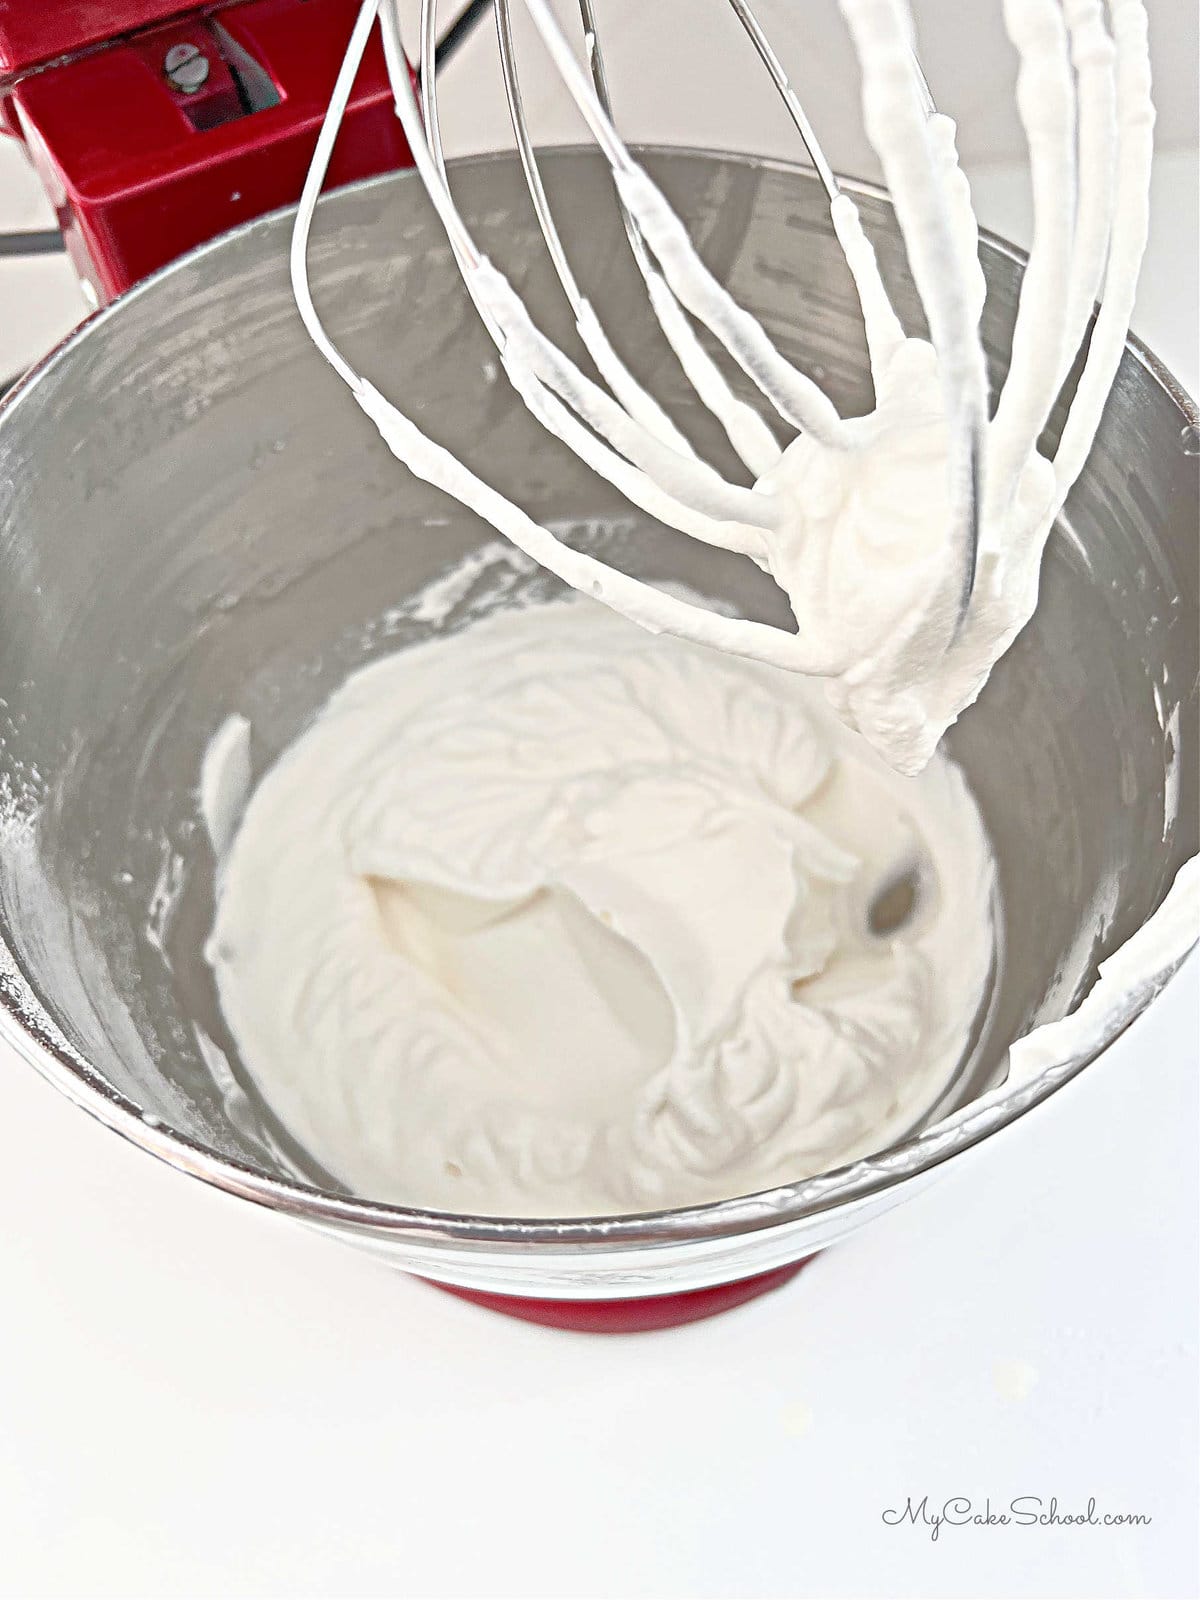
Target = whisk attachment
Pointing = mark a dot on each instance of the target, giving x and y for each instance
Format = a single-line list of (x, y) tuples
[(749, 435), (881, 320), (1084, 100)]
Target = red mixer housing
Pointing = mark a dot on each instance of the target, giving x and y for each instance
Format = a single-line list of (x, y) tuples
[(155, 126)]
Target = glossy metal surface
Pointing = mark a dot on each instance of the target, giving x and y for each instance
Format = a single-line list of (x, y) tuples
[(196, 519)]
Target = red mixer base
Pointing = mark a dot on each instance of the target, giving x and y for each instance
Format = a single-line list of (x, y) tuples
[(630, 1316)]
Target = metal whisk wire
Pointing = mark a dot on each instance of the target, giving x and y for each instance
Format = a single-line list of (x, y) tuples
[(616, 427), (746, 430), (748, 433)]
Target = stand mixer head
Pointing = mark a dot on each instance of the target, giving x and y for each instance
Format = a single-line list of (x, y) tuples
[(154, 125)]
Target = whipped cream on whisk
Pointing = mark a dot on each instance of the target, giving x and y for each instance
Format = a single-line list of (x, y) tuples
[(909, 541), (551, 918)]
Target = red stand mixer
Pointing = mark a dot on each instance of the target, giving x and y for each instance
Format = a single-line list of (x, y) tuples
[(155, 127)]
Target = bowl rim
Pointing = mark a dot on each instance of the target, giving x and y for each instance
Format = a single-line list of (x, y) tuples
[(854, 1183)]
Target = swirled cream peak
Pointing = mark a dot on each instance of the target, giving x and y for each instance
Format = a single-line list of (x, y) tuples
[(863, 562), (551, 917)]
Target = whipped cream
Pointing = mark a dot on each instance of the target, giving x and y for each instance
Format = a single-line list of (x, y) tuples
[(550, 917)]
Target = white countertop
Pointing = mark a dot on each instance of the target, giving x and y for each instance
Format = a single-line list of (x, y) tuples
[(198, 1398)]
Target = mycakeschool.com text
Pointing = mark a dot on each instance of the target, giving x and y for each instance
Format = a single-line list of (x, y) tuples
[(1023, 1511)]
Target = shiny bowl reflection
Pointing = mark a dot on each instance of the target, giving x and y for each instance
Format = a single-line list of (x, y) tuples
[(196, 519)]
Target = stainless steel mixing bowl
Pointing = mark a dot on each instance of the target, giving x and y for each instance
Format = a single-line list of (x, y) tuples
[(196, 519)]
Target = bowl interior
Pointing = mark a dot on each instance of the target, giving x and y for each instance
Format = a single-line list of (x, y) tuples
[(195, 519)]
